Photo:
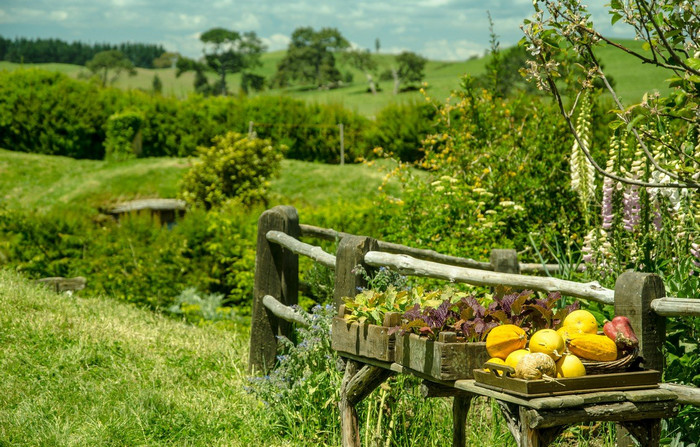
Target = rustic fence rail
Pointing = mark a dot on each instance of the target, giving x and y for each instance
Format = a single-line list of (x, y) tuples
[(640, 296)]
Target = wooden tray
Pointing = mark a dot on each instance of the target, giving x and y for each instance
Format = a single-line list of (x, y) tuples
[(366, 340), (623, 381), (443, 359)]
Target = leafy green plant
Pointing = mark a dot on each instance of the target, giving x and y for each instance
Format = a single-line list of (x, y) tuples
[(123, 136), (236, 166), (370, 306)]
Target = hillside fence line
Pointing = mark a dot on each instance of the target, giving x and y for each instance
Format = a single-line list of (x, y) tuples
[(639, 296)]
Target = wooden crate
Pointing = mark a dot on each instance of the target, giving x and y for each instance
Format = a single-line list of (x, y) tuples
[(443, 359), (366, 340), (623, 381)]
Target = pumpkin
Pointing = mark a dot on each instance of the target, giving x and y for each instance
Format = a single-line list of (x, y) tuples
[(593, 347), (504, 339), (548, 342)]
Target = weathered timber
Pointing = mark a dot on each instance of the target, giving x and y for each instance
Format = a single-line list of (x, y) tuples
[(504, 261), (277, 275), (411, 266), (364, 382), (351, 253), (428, 255), (617, 411), (61, 284), (536, 437), (441, 359), (349, 423), (167, 210), (460, 410), (646, 431), (301, 248), (687, 394), (676, 307), (284, 312)]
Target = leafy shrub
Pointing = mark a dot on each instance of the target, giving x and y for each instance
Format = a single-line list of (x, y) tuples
[(234, 167), (123, 136), (401, 128)]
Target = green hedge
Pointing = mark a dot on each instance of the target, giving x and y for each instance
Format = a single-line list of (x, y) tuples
[(50, 113)]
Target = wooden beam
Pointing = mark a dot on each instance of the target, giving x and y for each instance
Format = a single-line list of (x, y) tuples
[(284, 312), (296, 246), (687, 394), (411, 266), (351, 253), (676, 307), (367, 379), (617, 411)]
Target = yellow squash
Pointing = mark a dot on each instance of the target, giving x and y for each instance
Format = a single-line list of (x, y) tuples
[(593, 347)]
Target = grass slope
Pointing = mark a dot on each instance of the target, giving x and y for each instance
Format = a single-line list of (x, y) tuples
[(85, 372), (34, 181)]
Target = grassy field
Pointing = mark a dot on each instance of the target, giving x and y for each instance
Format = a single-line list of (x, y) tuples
[(632, 80), (34, 181)]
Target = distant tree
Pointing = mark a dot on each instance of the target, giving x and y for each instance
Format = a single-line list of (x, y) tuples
[(228, 51), (110, 60), (362, 60), (166, 60), (201, 83), (377, 45), (310, 57), (157, 84), (409, 68)]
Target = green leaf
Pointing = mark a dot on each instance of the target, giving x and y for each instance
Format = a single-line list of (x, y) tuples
[(615, 18), (693, 62), (614, 125), (632, 123), (646, 46)]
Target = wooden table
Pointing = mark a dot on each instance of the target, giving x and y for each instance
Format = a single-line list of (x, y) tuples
[(534, 422)]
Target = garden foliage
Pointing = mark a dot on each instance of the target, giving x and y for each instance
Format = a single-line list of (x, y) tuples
[(235, 167)]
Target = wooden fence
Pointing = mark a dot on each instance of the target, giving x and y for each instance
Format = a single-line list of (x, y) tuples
[(639, 296)]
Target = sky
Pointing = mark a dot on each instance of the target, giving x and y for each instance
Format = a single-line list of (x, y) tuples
[(436, 29)]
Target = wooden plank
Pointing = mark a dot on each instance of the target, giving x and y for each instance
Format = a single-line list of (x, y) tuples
[(676, 307), (349, 422), (277, 275), (615, 412), (367, 379), (460, 411), (504, 261), (411, 266), (562, 386), (61, 284), (443, 361), (301, 248), (366, 340), (687, 394)]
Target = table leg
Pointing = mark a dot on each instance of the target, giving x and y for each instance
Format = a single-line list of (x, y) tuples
[(647, 432), (460, 410)]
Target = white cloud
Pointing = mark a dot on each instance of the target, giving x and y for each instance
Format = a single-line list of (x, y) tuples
[(248, 22), (276, 42), (58, 15), (445, 50), (4, 18)]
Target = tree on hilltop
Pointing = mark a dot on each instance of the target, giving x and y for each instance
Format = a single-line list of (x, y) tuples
[(110, 60), (310, 57), (363, 61)]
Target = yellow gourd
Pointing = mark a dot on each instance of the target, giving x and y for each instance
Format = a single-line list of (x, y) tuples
[(581, 321), (548, 342), (497, 361), (568, 333), (504, 339), (570, 366), (594, 347), (515, 356)]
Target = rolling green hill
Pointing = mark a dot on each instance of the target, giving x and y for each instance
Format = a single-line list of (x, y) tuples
[(34, 181), (631, 77)]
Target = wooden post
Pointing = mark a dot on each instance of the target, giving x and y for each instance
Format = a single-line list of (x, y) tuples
[(634, 293), (505, 261), (351, 253), (460, 410), (277, 275), (342, 145)]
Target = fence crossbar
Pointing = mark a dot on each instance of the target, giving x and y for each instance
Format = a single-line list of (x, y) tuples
[(427, 255), (284, 312), (410, 266), (676, 307), (296, 246)]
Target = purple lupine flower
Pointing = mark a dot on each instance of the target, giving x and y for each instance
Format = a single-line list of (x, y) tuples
[(695, 251), (607, 209)]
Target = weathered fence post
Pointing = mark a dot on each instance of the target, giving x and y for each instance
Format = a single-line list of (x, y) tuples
[(634, 293), (504, 261), (351, 253), (276, 274)]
